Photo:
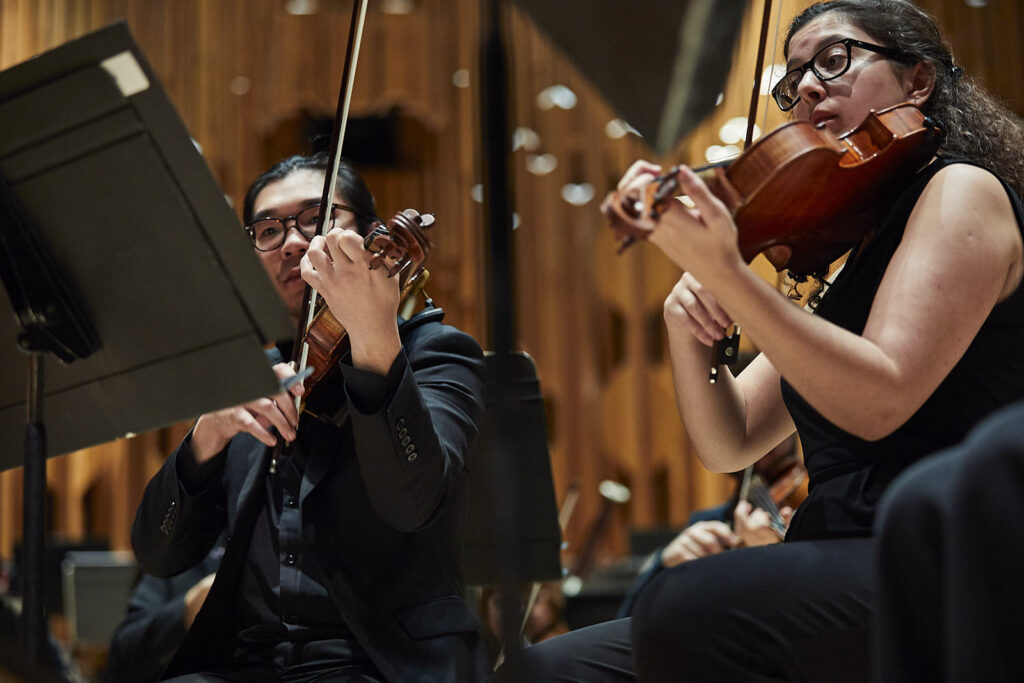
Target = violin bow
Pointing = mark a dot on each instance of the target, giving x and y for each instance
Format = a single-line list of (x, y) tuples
[(300, 351), (726, 351)]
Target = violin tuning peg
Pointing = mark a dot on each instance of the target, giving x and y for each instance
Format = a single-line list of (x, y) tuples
[(397, 267), (376, 242)]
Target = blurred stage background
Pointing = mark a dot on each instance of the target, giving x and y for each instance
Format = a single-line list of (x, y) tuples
[(255, 79)]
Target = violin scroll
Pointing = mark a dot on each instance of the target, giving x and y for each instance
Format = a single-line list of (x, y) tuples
[(402, 243), (634, 214)]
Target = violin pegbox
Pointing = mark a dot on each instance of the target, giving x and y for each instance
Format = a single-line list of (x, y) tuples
[(403, 242), (634, 214)]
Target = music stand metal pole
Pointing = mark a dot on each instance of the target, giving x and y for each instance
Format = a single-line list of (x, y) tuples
[(52, 321), (498, 205), (34, 512)]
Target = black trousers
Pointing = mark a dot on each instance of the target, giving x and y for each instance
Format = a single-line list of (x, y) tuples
[(354, 675), (595, 654), (337, 660), (795, 611), (951, 594)]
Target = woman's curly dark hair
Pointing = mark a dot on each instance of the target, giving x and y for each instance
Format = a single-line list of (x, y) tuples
[(978, 127)]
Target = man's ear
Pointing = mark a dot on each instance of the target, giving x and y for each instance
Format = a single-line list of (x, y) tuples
[(919, 82)]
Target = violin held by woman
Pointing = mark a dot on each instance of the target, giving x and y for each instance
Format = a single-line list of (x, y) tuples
[(802, 195)]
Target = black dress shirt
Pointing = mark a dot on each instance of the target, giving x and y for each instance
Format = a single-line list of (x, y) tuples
[(284, 619)]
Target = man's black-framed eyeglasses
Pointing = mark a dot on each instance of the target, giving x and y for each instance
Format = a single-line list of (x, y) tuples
[(267, 234), (829, 63)]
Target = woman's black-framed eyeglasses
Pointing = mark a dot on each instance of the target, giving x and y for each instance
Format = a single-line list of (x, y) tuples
[(267, 234), (829, 63)]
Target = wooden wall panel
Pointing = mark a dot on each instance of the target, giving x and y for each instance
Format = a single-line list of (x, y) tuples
[(243, 72)]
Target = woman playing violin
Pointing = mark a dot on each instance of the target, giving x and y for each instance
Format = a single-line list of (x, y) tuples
[(916, 340)]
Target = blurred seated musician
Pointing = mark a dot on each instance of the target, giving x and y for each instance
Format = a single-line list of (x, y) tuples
[(160, 613), (737, 522), (343, 558), (916, 341), (949, 559)]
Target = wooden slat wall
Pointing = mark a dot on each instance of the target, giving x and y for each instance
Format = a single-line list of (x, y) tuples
[(242, 71)]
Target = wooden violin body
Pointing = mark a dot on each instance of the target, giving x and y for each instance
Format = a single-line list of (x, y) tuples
[(784, 476), (401, 248), (776, 480), (803, 195)]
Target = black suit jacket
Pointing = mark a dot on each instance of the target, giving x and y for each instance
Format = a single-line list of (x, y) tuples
[(384, 517)]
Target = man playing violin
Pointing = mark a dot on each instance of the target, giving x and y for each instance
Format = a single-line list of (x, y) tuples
[(343, 559), (897, 362)]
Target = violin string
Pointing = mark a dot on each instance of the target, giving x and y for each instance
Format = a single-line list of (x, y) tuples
[(758, 496), (748, 475)]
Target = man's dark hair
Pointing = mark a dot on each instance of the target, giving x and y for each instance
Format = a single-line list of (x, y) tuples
[(350, 185)]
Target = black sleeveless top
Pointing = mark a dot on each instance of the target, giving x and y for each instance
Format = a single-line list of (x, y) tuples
[(847, 474)]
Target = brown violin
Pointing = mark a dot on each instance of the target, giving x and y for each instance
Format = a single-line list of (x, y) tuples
[(801, 195), (400, 247), (776, 480)]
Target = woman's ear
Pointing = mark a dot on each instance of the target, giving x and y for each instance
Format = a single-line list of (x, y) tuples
[(919, 82)]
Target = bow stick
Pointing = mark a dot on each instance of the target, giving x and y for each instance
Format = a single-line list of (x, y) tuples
[(300, 351)]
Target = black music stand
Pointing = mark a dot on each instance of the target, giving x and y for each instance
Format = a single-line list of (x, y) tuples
[(121, 256), (489, 553)]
